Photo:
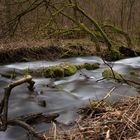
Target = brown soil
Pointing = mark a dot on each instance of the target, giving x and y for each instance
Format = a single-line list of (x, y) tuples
[(29, 50), (48, 50)]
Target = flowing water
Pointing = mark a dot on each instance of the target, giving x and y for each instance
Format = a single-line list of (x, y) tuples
[(69, 94)]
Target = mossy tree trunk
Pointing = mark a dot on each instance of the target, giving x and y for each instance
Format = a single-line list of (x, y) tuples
[(96, 32)]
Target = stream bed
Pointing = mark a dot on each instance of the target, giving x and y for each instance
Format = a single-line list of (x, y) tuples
[(69, 94)]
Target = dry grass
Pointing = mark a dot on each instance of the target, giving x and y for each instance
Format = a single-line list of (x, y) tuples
[(52, 49), (121, 121), (13, 45), (28, 50)]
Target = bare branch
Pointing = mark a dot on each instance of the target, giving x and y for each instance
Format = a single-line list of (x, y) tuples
[(5, 100)]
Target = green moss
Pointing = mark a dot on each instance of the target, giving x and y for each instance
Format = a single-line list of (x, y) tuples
[(58, 72), (66, 69), (69, 69), (53, 72), (94, 103), (89, 66), (115, 54), (107, 73), (47, 72), (79, 66)]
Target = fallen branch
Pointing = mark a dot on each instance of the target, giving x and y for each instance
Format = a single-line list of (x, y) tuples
[(26, 126), (23, 121), (5, 100)]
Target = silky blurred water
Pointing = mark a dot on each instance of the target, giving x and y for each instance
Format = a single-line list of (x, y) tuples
[(69, 94)]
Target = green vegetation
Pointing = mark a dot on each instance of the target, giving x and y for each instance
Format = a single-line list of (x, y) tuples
[(69, 69), (66, 69), (94, 103), (109, 74), (80, 66), (113, 54), (53, 72), (89, 66)]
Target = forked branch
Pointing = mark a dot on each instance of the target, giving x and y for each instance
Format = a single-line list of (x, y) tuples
[(5, 100)]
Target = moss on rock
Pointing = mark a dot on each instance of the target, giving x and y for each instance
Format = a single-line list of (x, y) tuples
[(89, 66), (53, 72), (66, 69), (108, 74), (69, 69), (80, 66)]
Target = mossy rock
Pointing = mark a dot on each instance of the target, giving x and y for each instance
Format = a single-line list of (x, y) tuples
[(89, 66), (66, 69), (108, 74), (53, 72), (80, 66), (69, 69)]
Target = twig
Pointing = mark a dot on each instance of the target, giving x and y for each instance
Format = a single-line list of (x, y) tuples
[(54, 136)]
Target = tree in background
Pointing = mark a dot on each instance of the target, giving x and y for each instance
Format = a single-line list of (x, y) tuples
[(48, 18)]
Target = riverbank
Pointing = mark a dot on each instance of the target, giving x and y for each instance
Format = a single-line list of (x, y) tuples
[(24, 51), (104, 121)]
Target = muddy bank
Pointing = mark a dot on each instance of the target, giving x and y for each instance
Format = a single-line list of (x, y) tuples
[(51, 50), (32, 50)]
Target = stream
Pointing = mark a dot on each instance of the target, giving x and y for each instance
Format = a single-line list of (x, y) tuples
[(69, 94)]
